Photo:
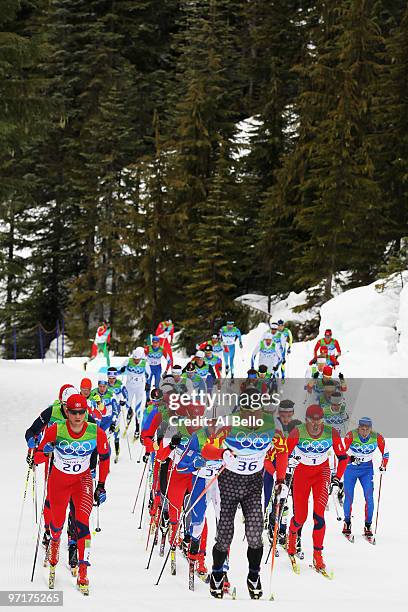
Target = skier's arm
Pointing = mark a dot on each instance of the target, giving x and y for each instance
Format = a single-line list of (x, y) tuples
[(316, 348), (341, 453), (290, 337), (151, 421), (50, 436), (39, 424), (238, 335), (292, 440), (123, 367), (348, 440), (103, 449), (382, 446), (337, 346), (168, 357), (159, 329), (281, 455), (254, 354)]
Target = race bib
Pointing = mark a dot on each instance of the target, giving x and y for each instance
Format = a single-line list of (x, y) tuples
[(248, 464), (71, 465), (209, 470)]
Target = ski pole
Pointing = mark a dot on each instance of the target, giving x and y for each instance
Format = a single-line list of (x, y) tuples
[(41, 517), (140, 486), (378, 504), (144, 501), (283, 506), (161, 513), (35, 495), (20, 520), (184, 514), (141, 453), (279, 505), (335, 501), (98, 527)]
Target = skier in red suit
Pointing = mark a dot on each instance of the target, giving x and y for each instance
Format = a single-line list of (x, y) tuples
[(332, 345), (313, 441)]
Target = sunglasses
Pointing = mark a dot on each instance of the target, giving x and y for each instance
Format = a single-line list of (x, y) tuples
[(314, 419), (71, 411)]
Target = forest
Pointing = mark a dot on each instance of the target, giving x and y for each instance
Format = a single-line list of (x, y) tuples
[(126, 193)]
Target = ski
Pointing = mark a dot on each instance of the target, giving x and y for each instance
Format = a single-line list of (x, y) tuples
[(74, 571), (191, 566), (84, 589), (349, 537), (300, 555), (204, 577), (370, 539), (162, 545), (51, 578), (294, 564), (173, 562), (323, 572), (231, 592)]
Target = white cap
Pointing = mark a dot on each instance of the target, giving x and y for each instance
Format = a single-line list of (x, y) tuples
[(274, 326), (321, 360), (176, 369), (200, 354), (67, 393), (138, 353), (268, 336)]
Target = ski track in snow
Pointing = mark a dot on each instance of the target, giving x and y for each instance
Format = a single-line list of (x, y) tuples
[(367, 577)]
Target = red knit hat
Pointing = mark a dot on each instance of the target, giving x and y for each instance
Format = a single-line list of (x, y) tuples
[(327, 371), (76, 401), (61, 391), (314, 412), (86, 383)]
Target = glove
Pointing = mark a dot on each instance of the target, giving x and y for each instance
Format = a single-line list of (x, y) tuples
[(199, 462), (341, 376), (383, 468), (283, 361), (240, 345), (30, 460), (112, 427), (31, 443), (312, 361), (281, 490), (93, 474), (97, 398), (122, 402), (100, 493), (275, 368), (48, 448), (146, 457), (334, 482), (129, 415), (316, 375), (288, 351), (228, 458), (175, 441)]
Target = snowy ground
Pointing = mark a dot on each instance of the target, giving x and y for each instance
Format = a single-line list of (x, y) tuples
[(373, 329)]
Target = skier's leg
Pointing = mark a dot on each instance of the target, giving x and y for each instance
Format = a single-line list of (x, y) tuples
[(302, 485), (232, 357), (320, 490), (225, 354), (367, 482), (82, 497), (59, 493), (350, 478), (267, 487)]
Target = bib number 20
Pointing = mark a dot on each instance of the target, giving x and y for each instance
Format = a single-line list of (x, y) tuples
[(71, 467)]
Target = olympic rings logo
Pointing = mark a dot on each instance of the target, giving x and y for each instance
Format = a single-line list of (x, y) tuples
[(75, 447), (315, 446), (252, 440), (364, 449)]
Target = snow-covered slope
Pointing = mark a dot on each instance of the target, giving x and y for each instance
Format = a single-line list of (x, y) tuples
[(373, 331)]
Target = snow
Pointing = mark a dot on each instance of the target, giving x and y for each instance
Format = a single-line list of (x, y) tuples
[(280, 309), (372, 329)]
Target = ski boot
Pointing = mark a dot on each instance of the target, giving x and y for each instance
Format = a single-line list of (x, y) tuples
[(254, 585), (368, 531), (291, 543), (73, 557), (136, 435), (117, 450), (346, 528), (82, 580), (46, 539), (282, 538), (227, 584), (185, 544), (318, 562), (340, 494), (53, 552), (201, 567), (299, 552), (217, 584), (226, 371)]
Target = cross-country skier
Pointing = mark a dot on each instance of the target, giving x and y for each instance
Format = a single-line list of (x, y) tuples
[(229, 335), (72, 444), (137, 372), (165, 329), (216, 344), (101, 342), (270, 353), (213, 360), (110, 419), (312, 442), (333, 347), (243, 452), (286, 340), (155, 352), (362, 444), (334, 408)]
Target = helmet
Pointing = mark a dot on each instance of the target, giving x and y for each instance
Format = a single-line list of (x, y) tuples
[(327, 371), (112, 372), (286, 406), (76, 401), (208, 348), (190, 367), (102, 381), (168, 319), (214, 336), (86, 383), (138, 353), (155, 339), (230, 322), (200, 354), (280, 322), (274, 326), (252, 373), (328, 332), (262, 369), (250, 399), (314, 412), (156, 395)]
